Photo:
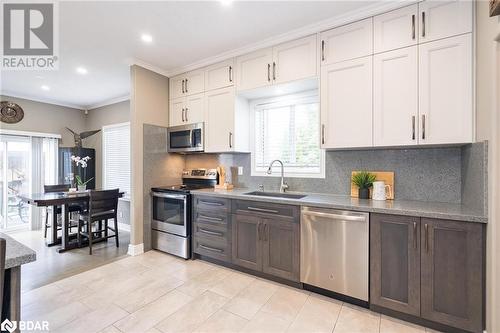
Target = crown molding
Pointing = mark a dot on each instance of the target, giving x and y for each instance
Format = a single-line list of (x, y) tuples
[(109, 102), (42, 100), (148, 66), (352, 16)]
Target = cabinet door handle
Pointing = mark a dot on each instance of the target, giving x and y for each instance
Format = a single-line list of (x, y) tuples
[(183, 86), (186, 114), (413, 127), (426, 227), (274, 71), (323, 134), (423, 24), (210, 218), (230, 139), (230, 74), (415, 235), (186, 84), (268, 72), (182, 114), (423, 127), (413, 27), (263, 210), (266, 232), (322, 50), (208, 232), (259, 230), (209, 203), (213, 249)]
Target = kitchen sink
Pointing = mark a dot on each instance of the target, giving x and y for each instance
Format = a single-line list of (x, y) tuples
[(276, 195)]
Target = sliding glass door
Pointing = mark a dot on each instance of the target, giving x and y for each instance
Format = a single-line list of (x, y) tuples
[(15, 179)]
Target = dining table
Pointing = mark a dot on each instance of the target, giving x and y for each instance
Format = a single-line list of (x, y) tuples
[(63, 200)]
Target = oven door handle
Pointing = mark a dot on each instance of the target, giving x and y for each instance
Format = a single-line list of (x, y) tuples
[(169, 195)]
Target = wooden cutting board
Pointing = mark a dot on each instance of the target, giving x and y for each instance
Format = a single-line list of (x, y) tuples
[(386, 176)]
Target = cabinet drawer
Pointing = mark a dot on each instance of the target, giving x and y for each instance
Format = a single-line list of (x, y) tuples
[(211, 204), (265, 209), (212, 217), (213, 231), (212, 248)]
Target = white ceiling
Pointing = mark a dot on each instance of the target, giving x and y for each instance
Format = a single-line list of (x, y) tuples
[(104, 37)]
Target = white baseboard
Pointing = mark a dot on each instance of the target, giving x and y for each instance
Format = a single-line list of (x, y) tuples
[(135, 250)]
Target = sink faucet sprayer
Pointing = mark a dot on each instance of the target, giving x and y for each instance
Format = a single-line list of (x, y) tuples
[(283, 185)]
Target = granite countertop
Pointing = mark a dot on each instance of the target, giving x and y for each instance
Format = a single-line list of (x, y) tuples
[(17, 253), (439, 210)]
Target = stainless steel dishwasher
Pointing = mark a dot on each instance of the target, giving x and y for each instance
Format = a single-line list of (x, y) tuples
[(334, 251)]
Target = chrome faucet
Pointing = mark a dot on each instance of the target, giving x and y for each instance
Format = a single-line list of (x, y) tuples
[(283, 185)]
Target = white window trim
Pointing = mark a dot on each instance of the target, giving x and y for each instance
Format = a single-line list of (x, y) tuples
[(26, 133), (277, 101), (103, 167)]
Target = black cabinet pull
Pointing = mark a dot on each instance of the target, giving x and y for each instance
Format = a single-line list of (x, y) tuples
[(230, 74), (415, 234), (413, 127), (213, 249), (269, 72), (322, 50), (413, 27), (182, 86), (423, 24), (426, 227), (274, 71)]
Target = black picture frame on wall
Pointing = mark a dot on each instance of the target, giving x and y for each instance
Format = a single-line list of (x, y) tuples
[(494, 7)]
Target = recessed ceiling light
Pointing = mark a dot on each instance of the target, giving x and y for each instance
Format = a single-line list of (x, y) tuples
[(45, 87), (146, 38), (226, 2), (81, 70)]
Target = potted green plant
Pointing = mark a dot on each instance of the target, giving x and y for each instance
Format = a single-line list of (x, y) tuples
[(81, 162), (363, 180)]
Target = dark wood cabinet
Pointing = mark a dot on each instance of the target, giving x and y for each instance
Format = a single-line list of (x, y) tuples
[(429, 268), (247, 248), (281, 248), (395, 262), (266, 238), (452, 273)]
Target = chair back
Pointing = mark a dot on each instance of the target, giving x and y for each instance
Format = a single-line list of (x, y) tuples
[(2, 271), (103, 201), (56, 188)]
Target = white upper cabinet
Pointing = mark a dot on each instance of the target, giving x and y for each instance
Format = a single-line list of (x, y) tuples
[(254, 70), (186, 84), (176, 112), (395, 29), (219, 75), (346, 104), (194, 109), (395, 100), (350, 41), (226, 122), (440, 19), (445, 91), (295, 60)]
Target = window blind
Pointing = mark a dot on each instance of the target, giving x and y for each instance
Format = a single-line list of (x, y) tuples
[(116, 157), (289, 131)]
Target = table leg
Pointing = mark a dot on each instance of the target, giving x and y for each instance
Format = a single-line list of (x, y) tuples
[(53, 240), (64, 228)]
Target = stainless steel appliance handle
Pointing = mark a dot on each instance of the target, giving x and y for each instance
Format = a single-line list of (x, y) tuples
[(269, 72), (211, 248), (208, 232), (230, 74), (413, 127), (322, 50), (211, 218), (413, 27), (169, 195), (274, 71), (423, 24), (263, 210), (335, 216)]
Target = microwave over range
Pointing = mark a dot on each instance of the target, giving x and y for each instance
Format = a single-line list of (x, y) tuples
[(185, 138)]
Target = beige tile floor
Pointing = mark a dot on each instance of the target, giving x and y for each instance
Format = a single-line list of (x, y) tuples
[(156, 293)]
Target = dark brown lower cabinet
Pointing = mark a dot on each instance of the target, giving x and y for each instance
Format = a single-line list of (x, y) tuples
[(428, 268), (395, 262), (452, 273)]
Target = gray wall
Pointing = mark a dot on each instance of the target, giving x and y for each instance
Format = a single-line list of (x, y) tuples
[(47, 118), (424, 174)]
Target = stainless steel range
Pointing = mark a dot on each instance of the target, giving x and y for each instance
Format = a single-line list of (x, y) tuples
[(171, 216)]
